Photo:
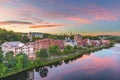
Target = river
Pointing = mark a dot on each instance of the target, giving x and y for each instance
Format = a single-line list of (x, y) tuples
[(100, 65)]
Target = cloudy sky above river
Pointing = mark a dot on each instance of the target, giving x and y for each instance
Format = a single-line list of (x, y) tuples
[(61, 16)]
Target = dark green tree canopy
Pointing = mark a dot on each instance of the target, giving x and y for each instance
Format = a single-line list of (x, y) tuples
[(42, 53)]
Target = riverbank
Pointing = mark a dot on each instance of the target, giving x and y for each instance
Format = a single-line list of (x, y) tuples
[(40, 64)]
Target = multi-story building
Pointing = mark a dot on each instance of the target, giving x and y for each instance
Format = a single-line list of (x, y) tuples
[(30, 35), (45, 43), (77, 37), (34, 34), (18, 47)]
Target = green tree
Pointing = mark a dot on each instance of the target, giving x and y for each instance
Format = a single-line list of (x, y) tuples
[(54, 50), (8, 36), (10, 60), (1, 57), (42, 53), (22, 60), (68, 49), (9, 55), (25, 39), (75, 47), (89, 46), (35, 38), (3, 69), (80, 48)]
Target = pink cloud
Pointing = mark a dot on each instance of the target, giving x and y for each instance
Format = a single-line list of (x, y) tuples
[(5, 0), (101, 13), (81, 15), (46, 24), (79, 20), (94, 11)]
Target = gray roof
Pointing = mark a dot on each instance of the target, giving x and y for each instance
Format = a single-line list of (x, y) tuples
[(12, 44)]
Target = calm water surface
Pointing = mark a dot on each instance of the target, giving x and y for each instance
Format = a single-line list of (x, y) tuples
[(100, 65)]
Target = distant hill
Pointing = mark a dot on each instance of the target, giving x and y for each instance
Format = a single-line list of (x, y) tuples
[(9, 36)]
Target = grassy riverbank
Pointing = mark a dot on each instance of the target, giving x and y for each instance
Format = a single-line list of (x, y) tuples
[(37, 63)]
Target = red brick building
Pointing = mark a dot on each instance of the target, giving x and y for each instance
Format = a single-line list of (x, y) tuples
[(45, 43)]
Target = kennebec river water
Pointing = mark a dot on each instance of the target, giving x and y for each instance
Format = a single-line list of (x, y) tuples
[(100, 65)]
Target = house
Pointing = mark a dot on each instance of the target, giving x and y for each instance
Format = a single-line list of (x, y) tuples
[(70, 42), (105, 42), (86, 42), (95, 43), (79, 43), (18, 47)]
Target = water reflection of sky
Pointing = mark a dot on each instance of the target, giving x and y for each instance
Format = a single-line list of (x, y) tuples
[(101, 65)]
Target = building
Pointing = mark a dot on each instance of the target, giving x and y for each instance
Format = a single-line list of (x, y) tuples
[(77, 37), (80, 43), (105, 42), (87, 42), (46, 43), (29, 49), (70, 42), (18, 47), (31, 35), (34, 34), (95, 43)]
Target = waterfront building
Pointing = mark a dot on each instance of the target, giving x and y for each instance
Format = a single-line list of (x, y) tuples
[(18, 47), (86, 42), (70, 42), (105, 42), (46, 43)]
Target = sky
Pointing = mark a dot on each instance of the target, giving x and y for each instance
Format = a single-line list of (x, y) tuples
[(87, 17)]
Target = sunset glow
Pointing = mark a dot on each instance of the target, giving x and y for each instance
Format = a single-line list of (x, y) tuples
[(87, 17)]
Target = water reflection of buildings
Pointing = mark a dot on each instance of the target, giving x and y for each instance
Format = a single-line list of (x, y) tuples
[(25, 75), (30, 74)]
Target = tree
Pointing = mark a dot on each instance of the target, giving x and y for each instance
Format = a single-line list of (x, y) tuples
[(1, 58), (11, 61), (75, 47), (22, 60), (89, 46), (9, 55), (36, 38), (3, 69), (42, 53), (68, 49), (80, 48), (54, 50), (8, 36), (25, 39)]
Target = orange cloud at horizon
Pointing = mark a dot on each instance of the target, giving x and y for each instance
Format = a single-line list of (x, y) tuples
[(46, 25), (80, 20)]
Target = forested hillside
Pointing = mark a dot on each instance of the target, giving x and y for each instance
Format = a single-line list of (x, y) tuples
[(9, 36)]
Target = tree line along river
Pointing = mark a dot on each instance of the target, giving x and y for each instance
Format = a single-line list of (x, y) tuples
[(100, 65)]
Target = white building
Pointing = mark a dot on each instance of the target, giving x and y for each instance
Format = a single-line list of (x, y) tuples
[(18, 47), (70, 42)]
